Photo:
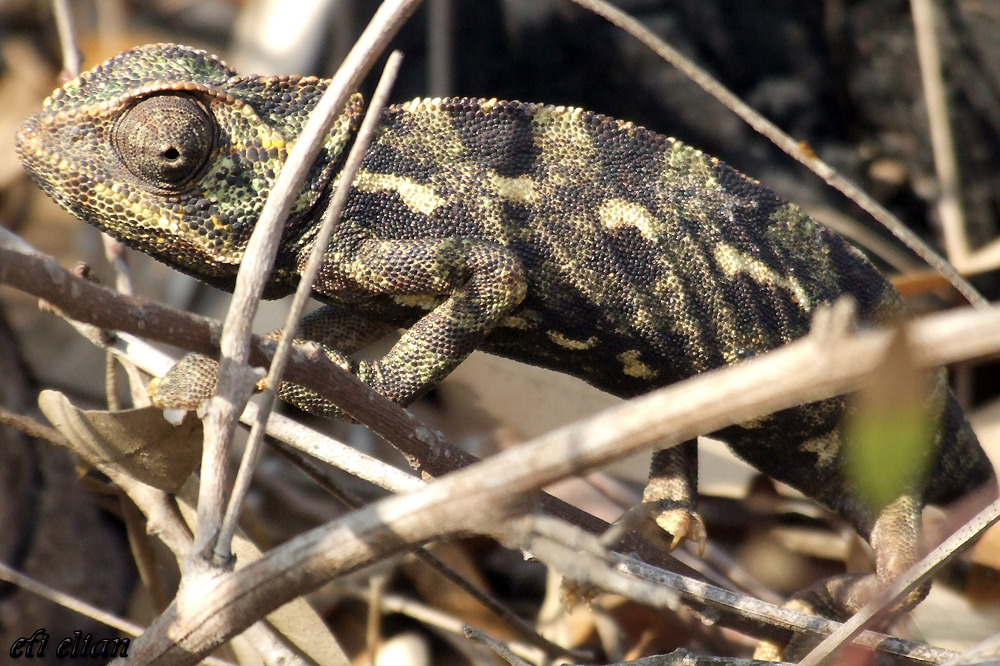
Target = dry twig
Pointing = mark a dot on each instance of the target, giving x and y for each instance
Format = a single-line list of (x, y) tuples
[(235, 378), (302, 294), (786, 143)]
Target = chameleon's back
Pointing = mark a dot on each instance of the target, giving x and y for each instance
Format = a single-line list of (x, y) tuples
[(648, 261)]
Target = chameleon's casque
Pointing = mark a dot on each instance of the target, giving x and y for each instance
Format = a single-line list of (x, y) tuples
[(551, 235)]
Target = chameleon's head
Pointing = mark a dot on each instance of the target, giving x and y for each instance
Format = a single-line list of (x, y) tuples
[(165, 148)]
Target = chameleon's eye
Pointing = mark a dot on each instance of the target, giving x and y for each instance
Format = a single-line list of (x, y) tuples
[(165, 140)]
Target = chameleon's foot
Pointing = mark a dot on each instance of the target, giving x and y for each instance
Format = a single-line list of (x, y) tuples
[(186, 385), (683, 524)]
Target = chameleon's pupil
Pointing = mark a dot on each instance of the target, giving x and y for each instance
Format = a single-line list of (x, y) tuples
[(165, 140)]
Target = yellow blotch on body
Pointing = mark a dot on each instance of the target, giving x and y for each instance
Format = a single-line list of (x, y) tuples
[(417, 196), (514, 322), (826, 447), (615, 213), (570, 343), (633, 367), (732, 261), (424, 301), (521, 188)]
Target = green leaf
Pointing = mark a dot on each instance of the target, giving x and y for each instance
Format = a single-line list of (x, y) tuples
[(889, 429)]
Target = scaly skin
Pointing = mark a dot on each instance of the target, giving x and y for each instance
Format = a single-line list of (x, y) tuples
[(550, 235)]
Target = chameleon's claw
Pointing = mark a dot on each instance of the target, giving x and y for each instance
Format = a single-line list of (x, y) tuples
[(683, 524)]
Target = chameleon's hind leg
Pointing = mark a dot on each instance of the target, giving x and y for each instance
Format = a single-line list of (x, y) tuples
[(192, 379), (672, 492), (894, 538)]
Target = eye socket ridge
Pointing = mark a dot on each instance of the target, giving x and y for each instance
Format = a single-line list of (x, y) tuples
[(165, 140)]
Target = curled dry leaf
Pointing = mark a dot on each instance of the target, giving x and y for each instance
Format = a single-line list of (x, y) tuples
[(138, 442)]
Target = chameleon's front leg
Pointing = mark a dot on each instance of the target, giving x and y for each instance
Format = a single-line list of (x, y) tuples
[(469, 285), (480, 281)]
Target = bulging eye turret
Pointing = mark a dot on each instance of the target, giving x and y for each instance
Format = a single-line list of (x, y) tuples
[(165, 140)]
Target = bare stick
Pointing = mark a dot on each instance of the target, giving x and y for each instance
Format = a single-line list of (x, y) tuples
[(82, 607), (424, 448), (949, 200), (302, 294), (786, 143), (681, 657), (67, 38), (903, 585), (433, 617), (32, 427), (282, 428), (68, 601), (235, 379), (502, 650), (937, 339), (440, 72)]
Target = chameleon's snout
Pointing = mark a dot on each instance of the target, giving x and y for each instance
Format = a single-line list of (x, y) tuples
[(28, 143), (33, 146)]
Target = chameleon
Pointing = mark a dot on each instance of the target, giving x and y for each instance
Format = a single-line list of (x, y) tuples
[(546, 234)]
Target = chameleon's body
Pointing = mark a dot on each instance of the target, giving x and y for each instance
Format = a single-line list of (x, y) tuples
[(549, 235)]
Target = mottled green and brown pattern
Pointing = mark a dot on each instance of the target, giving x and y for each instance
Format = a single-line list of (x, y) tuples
[(550, 235)]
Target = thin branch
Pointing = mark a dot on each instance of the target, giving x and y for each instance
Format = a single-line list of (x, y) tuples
[(235, 380), (67, 38), (68, 601), (298, 436), (786, 143), (949, 200), (272, 647), (681, 657), (440, 56), (302, 294), (82, 607), (435, 618), (526, 632), (373, 633), (903, 585), (32, 427), (937, 339), (502, 650)]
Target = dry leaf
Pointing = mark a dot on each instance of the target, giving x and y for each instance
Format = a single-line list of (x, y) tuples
[(137, 442)]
